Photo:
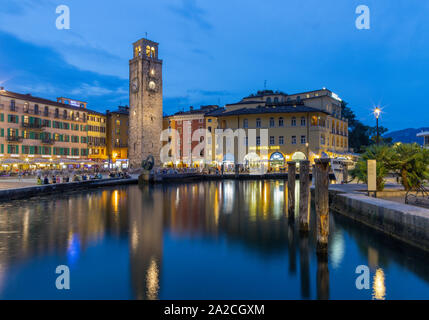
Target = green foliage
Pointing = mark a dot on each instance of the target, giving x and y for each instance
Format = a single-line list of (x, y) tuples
[(411, 163), (384, 155)]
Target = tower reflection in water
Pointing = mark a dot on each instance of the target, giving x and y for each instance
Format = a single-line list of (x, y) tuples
[(146, 231)]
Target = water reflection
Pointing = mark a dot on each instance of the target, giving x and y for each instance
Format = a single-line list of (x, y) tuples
[(379, 288), (201, 240)]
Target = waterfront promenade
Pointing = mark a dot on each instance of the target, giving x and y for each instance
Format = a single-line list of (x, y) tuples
[(17, 183)]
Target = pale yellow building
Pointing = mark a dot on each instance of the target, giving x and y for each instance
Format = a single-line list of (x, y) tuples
[(306, 125), (97, 133)]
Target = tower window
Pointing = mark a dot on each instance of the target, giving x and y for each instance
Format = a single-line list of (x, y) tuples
[(152, 52), (147, 51)]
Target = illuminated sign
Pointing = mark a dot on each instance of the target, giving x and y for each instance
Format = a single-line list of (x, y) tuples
[(264, 148), (75, 103)]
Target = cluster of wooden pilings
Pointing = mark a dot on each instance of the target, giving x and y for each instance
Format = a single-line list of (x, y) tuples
[(321, 199), (321, 178)]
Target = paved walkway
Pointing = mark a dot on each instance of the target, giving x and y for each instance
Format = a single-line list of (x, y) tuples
[(6, 183)]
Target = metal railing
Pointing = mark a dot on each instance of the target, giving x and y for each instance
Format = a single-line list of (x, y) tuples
[(14, 138), (28, 125)]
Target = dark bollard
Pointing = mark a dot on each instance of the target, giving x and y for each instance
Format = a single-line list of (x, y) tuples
[(291, 177), (304, 195), (322, 204), (345, 173)]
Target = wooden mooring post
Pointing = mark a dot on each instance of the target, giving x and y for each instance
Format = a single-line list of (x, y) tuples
[(304, 195), (345, 173), (321, 201), (291, 177)]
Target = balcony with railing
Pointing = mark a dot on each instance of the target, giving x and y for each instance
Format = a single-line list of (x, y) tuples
[(13, 108), (49, 141), (96, 144), (36, 125), (15, 139), (120, 145)]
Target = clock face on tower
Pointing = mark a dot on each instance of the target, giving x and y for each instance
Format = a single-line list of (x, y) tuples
[(135, 85), (152, 85)]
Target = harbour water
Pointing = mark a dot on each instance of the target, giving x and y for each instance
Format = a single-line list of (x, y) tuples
[(205, 240)]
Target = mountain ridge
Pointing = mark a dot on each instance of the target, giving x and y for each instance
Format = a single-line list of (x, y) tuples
[(408, 135)]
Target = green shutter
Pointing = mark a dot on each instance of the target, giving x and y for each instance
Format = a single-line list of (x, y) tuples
[(2, 148), (2, 132), (1, 117)]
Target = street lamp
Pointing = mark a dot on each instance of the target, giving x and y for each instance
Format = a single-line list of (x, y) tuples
[(377, 112)]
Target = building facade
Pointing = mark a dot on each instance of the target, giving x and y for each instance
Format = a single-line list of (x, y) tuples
[(299, 126), (146, 116), (36, 130), (97, 136), (117, 135), (186, 123), (425, 136)]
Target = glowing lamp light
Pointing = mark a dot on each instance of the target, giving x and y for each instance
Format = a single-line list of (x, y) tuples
[(377, 112)]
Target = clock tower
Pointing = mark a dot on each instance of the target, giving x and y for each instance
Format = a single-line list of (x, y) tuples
[(145, 120)]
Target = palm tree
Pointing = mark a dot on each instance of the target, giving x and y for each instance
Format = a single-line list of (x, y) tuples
[(411, 163)]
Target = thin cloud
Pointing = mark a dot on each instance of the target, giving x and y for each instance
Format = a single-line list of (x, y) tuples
[(189, 10)]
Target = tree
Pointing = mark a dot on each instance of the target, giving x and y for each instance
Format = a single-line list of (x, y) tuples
[(384, 155), (358, 132), (372, 132), (411, 163)]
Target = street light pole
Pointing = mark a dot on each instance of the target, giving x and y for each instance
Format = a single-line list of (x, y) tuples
[(377, 112), (378, 134)]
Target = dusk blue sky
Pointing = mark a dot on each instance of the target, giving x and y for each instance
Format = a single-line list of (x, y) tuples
[(217, 52)]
